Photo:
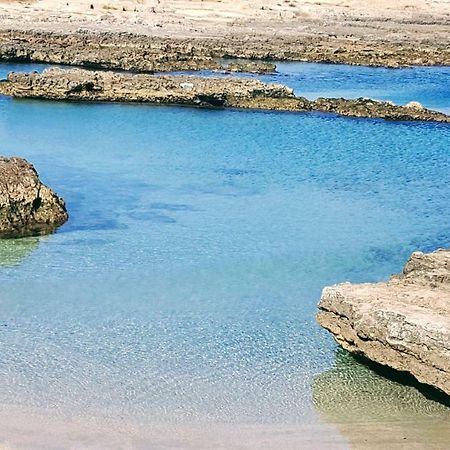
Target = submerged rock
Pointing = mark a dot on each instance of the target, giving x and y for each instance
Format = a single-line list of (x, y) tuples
[(233, 92), (368, 407), (27, 207), (14, 251), (403, 324)]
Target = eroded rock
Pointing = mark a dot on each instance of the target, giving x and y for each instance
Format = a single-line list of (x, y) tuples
[(77, 84), (403, 324), (251, 67), (146, 53), (246, 93), (27, 207)]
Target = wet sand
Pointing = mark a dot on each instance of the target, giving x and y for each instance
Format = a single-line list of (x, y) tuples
[(47, 430)]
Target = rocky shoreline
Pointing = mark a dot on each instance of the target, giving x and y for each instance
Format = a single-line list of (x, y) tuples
[(120, 51), (148, 54), (403, 324), (230, 92)]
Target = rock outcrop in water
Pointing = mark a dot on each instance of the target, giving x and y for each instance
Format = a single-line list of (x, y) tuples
[(403, 324), (27, 207), (251, 67), (84, 85), (79, 84)]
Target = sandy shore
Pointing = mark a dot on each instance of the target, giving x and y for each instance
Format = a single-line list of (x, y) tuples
[(354, 31), (403, 20), (49, 430)]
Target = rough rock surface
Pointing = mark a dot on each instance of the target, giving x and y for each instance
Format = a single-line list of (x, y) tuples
[(27, 207), (85, 85), (142, 53), (121, 51), (403, 324), (76, 84), (251, 67), (364, 107)]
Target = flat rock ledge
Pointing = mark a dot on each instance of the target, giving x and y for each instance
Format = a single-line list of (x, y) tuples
[(233, 92), (27, 207), (121, 51), (141, 53), (403, 324)]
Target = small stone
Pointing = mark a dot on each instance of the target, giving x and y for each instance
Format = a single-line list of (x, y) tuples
[(187, 86), (414, 105)]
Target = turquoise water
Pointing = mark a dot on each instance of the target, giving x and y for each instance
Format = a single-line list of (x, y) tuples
[(183, 288)]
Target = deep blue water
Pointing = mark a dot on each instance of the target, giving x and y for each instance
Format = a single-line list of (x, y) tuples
[(185, 284)]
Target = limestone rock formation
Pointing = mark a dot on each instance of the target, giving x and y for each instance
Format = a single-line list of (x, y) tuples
[(233, 92), (76, 84), (27, 207), (147, 53), (251, 67), (403, 324)]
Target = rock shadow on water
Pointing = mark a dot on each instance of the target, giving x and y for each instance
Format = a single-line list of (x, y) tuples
[(158, 212), (14, 251), (151, 216), (377, 407), (171, 206), (226, 189), (93, 223)]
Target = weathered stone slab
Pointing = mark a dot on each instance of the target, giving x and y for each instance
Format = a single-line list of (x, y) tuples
[(403, 324)]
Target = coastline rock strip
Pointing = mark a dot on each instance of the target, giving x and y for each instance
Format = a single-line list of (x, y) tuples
[(140, 53), (27, 207), (382, 32), (233, 92), (123, 51), (403, 324)]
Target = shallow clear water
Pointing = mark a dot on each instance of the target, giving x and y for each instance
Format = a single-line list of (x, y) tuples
[(184, 287)]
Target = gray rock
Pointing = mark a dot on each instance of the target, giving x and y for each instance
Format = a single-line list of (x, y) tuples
[(27, 207), (403, 324)]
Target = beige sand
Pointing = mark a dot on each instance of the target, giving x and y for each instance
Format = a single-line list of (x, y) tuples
[(24, 430), (400, 20), (48, 430)]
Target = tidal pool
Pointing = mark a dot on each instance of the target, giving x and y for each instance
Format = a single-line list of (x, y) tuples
[(176, 307)]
